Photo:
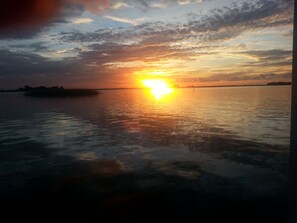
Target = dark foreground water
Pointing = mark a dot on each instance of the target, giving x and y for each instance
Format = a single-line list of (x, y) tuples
[(210, 154)]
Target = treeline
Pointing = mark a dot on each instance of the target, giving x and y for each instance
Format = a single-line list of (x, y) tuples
[(279, 83), (29, 88)]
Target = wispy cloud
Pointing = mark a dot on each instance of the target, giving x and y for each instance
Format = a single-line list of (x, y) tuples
[(186, 2), (134, 22), (242, 76), (82, 21), (119, 5), (93, 6), (161, 5)]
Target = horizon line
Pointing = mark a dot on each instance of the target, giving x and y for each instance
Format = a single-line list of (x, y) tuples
[(177, 87)]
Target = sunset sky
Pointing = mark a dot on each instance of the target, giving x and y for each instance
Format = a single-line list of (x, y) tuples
[(116, 43)]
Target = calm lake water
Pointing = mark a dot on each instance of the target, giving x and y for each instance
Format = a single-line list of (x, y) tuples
[(196, 152)]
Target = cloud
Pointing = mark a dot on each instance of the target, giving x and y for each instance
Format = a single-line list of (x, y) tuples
[(93, 6), (18, 68), (31, 16), (23, 68), (82, 21), (14, 13), (270, 55), (274, 57), (246, 16), (134, 22), (119, 5), (241, 76), (22, 63), (25, 30), (186, 2), (101, 62), (146, 5), (119, 52), (34, 47), (149, 44), (161, 5), (237, 77), (218, 25), (230, 21)]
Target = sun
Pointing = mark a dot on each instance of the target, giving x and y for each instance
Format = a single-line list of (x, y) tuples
[(159, 87)]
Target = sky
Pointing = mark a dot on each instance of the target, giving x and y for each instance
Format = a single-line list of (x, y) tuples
[(117, 43)]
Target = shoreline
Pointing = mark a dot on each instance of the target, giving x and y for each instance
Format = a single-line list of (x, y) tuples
[(140, 88)]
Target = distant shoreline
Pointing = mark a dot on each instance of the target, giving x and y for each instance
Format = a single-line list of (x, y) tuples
[(210, 86), (139, 88), (61, 92)]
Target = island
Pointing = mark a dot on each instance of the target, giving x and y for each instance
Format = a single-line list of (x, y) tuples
[(54, 91), (58, 92), (279, 83)]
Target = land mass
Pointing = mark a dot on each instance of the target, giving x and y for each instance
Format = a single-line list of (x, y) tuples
[(60, 91), (54, 91), (279, 83)]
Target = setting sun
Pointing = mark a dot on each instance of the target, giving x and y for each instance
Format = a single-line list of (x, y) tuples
[(159, 88)]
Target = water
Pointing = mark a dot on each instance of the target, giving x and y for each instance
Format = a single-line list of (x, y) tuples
[(184, 155)]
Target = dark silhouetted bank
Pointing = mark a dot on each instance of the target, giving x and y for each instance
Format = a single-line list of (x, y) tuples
[(279, 83), (60, 92)]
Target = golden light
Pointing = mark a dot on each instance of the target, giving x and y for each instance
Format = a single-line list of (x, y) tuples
[(159, 88)]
